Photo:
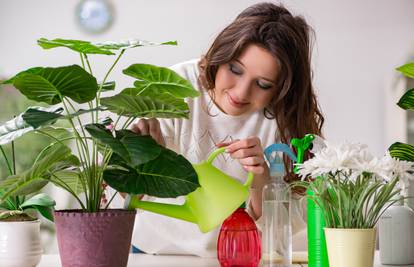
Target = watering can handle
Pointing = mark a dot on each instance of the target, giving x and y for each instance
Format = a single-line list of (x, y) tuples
[(218, 151)]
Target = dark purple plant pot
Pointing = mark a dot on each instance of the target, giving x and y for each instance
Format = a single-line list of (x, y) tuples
[(98, 239)]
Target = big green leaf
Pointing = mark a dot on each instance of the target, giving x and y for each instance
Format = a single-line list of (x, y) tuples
[(104, 48), (162, 106), (75, 45), (130, 44), (161, 80), (402, 151), (132, 148), (169, 175), (407, 70), (50, 85), (37, 118), (407, 100)]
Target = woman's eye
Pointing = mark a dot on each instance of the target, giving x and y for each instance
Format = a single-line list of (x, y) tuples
[(234, 69), (264, 86)]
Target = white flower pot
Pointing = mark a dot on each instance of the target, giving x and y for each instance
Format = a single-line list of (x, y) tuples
[(350, 247), (410, 194), (20, 244)]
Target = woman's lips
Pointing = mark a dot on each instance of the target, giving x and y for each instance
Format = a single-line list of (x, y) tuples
[(236, 103)]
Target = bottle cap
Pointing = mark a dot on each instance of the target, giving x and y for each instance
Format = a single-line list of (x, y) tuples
[(274, 155)]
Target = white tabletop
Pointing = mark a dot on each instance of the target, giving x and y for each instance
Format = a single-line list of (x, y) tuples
[(145, 260)]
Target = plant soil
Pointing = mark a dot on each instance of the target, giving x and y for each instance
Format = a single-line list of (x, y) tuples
[(18, 218)]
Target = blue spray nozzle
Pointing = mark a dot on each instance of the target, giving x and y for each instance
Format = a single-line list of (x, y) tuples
[(276, 161)]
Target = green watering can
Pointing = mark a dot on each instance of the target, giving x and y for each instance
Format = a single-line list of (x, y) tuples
[(209, 205)]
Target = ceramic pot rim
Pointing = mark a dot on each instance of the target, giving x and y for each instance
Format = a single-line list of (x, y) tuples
[(101, 213), (33, 221), (350, 229)]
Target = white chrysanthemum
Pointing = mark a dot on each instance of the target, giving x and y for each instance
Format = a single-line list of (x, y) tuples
[(332, 158)]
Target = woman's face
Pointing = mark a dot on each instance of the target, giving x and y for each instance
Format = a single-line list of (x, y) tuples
[(248, 83)]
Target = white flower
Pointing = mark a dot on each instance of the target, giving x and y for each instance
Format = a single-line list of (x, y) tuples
[(332, 158), (354, 159)]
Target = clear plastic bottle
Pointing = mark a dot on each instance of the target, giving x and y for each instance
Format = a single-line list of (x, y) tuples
[(277, 227)]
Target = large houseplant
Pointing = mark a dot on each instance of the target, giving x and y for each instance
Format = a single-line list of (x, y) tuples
[(353, 190), (105, 149)]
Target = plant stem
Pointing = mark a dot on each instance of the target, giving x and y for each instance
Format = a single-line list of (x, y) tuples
[(87, 62), (128, 122), (80, 138), (67, 188), (106, 76), (82, 61), (7, 161), (84, 156), (13, 158), (112, 198)]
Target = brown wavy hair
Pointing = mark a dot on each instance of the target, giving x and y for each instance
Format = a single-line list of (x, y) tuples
[(288, 38)]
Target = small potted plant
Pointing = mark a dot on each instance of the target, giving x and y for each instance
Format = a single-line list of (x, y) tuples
[(105, 149), (353, 190), (19, 230)]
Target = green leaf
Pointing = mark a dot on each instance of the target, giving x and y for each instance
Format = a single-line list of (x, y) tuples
[(164, 106), (407, 69), (407, 100), (13, 129), (45, 212), (169, 175), (75, 45), (108, 86), (402, 151), (36, 177), (161, 80), (50, 85), (130, 44), (132, 148), (69, 178), (39, 200), (37, 118)]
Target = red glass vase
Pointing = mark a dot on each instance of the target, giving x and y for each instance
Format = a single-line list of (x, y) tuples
[(238, 243)]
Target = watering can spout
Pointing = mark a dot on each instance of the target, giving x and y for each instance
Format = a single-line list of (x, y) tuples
[(182, 212)]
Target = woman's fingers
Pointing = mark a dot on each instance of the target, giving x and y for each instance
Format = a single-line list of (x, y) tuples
[(149, 127), (223, 144), (252, 161), (140, 127), (249, 153), (243, 144)]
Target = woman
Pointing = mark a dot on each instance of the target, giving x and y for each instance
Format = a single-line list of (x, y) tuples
[(256, 89)]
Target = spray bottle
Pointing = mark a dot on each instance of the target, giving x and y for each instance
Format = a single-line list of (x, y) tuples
[(276, 205)]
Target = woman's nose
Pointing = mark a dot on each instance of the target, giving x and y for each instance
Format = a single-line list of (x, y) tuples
[(243, 91)]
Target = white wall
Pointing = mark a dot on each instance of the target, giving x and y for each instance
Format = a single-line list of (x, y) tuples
[(358, 45)]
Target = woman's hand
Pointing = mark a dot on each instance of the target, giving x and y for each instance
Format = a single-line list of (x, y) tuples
[(149, 127), (249, 153)]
